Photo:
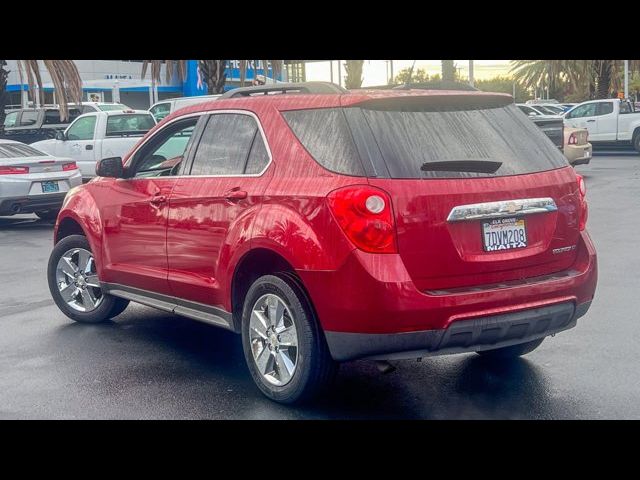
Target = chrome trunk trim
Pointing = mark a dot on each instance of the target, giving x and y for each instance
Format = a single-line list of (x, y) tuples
[(506, 208)]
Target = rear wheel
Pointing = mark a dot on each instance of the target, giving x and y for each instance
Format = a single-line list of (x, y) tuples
[(48, 214), (284, 347), (636, 141), (513, 351), (74, 285)]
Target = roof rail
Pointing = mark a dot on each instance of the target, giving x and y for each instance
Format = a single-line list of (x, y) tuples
[(280, 88)]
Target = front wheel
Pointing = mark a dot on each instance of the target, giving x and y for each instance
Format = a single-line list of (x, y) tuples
[(506, 353), (74, 284), (284, 347), (636, 142)]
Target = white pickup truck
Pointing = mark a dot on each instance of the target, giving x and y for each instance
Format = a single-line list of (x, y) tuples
[(97, 135), (610, 122)]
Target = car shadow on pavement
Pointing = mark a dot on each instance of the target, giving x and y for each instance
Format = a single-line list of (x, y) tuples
[(160, 352), (25, 223)]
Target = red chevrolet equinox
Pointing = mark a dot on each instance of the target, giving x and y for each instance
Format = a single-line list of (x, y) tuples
[(330, 227)]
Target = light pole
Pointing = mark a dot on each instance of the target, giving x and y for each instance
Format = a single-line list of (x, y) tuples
[(471, 73)]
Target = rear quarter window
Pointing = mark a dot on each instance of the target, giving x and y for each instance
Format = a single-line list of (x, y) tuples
[(327, 137)]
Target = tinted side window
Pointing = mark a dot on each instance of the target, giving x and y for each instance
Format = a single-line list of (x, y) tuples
[(225, 144), (588, 110), (29, 117), (604, 108), (160, 111), (52, 117), (326, 136), (10, 119), (82, 129), (258, 158)]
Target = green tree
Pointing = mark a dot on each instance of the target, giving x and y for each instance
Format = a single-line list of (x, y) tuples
[(418, 76), (504, 84), (64, 76), (353, 78)]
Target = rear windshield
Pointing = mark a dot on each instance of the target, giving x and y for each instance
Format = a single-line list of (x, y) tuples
[(52, 117), (129, 124), (420, 143), (17, 150), (107, 107)]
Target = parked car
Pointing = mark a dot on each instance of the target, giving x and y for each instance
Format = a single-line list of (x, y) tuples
[(577, 148), (159, 110), (98, 135), (325, 228), (551, 125), (610, 122), (542, 101), (32, 181), (88, 107), (29, 125)]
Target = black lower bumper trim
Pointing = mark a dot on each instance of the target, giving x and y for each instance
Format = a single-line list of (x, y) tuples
[(462, 336), (34, 203)]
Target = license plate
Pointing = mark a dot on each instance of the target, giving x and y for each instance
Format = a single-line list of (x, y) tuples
[(587, 154), (49, 187), (504, 234)]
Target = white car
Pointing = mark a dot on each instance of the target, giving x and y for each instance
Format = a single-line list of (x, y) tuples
[(88, 107), (97, 135), (32, 181), (159, 110)]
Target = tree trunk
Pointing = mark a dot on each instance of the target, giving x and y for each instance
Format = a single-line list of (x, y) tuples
[(603, 79), (354, 74), (448, 71), (213, 74), (3, 92)]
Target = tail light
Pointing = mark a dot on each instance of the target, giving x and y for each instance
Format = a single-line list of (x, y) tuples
[(584, 207), (69, 166), (573, 140), (13, 170), (364, 214)]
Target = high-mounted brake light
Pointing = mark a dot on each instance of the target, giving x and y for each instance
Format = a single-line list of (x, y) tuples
[(365, 216), (584, 206), (69, 166), (13, 170)]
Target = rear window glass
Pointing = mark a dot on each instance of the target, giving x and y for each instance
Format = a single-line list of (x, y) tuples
[(107, 107), (462, 143), (16, 150), (326, 136), (52, 117), (128, 124)]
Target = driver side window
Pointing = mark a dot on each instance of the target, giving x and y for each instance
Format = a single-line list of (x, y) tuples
[(588, 110), (82, 129), (163, 155)]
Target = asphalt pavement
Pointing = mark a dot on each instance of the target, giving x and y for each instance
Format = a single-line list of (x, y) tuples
[(148, 364)]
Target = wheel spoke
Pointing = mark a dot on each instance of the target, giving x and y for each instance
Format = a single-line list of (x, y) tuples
[(88, 300), (287, 337), (69, 292), (285, 367), (83, 259), (263, 360), (68, 267), (92, 280), (276, 311), (261, 320), (89, 266)]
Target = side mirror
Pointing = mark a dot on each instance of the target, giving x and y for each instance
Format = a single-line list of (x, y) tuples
[(533, 114), (60, 136), (110, 167)]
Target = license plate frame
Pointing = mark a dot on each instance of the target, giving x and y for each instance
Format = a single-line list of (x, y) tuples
[(50, 187), (496, 236)]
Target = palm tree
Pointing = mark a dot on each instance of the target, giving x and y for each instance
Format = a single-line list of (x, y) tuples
[(64, 76), (448, 71), (211, 71), (354, 73)]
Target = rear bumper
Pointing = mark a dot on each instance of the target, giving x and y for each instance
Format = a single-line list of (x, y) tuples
[(373, 296), (578, 154), (30, 204), (462, 336)]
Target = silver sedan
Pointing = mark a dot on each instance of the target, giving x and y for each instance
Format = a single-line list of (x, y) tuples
[(32, 181)]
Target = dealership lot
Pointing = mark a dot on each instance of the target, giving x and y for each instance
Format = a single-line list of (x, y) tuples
[(148, 364)]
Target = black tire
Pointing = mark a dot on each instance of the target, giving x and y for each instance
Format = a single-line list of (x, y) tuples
[(315, 369), (514, 351), (48, 214), (109, 307), (636, 141)]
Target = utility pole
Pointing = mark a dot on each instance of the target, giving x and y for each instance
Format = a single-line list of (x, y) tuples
[(471, 73), (391, 65), (626, 79), (331, 69), (339, 73)]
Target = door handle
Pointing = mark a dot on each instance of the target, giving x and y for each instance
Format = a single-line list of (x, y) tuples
[(158, 200), (88, 147), (589, 121), (235, 195)]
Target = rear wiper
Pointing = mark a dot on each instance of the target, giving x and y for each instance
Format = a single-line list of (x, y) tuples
[(474, 166)]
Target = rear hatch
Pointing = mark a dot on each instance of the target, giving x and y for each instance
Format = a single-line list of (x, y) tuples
[(480, 195)]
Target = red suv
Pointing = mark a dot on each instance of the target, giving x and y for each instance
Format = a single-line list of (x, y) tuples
[(326, 228)]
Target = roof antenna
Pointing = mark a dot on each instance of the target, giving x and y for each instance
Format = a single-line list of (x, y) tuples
[(408, 81)]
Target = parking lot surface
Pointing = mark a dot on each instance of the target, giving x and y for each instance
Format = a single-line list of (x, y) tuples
[(151, 365)]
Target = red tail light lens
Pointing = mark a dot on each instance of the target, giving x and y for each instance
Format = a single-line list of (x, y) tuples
[(584, 206), (69, 166), (364, 214), (13, 170), (572, 139)]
